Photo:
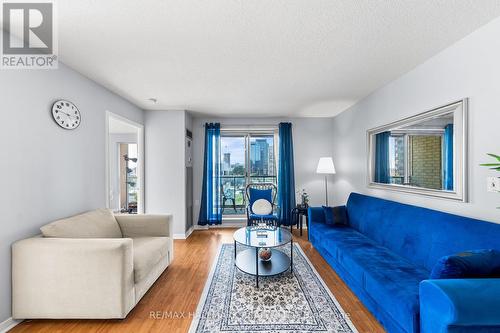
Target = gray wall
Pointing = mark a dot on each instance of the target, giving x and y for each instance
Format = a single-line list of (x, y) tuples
[(48, 172), (312, 138), (469, 68)]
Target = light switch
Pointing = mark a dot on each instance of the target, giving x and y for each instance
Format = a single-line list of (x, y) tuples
[(493, 184)]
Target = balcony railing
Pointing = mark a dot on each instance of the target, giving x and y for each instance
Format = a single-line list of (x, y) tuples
[(233, 188)]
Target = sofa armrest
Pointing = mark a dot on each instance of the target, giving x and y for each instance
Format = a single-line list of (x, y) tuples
[(145, 225), (72, 278), (472, 305), (148, 225), (316, 215)]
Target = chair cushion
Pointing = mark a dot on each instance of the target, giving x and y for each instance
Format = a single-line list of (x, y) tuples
[(256, 194), (253, 217), (468, 264), (148, 251), (99, 223), (262, 207)]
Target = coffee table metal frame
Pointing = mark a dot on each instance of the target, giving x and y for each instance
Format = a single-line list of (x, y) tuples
[(248, 260)]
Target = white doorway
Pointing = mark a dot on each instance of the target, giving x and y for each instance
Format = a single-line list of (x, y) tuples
[(124, 165)]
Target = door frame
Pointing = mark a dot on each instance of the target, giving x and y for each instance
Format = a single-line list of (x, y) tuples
[(140, 154), (247, 133)]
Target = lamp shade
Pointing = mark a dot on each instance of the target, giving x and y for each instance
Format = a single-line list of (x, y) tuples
[(325, 165)]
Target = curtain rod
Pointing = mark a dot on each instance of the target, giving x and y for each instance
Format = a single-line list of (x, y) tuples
[(263, 127)]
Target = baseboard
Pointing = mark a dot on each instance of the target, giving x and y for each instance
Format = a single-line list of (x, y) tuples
[(8, 324), (184, 235), (200, 227), (189, 232), (232, 224), (225, 224)]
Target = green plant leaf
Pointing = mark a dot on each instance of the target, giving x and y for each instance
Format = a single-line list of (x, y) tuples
[(490, 164), (494, 156)]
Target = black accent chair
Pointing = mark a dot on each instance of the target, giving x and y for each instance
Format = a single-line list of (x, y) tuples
[(226, 198)]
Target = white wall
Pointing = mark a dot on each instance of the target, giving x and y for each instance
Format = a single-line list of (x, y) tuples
[(312, 138), (48, 172), (165, 167), (470, 68)]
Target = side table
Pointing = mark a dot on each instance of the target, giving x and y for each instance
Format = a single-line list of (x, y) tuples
[(297, 214)]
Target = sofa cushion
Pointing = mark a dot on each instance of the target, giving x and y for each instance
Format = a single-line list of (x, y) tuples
[(320, 232), (148, 251), (419, 234), (99, 223), (345, 238), (388, 278), (468, 264), (335, 215), (393, 282)]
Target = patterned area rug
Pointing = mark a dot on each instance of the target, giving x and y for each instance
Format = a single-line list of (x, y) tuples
[(290, 302)]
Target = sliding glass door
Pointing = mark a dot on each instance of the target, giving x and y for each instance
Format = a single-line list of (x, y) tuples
[(233, 150), (247, 157)]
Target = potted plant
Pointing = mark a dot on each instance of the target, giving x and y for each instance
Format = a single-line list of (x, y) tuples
[(304, 198)]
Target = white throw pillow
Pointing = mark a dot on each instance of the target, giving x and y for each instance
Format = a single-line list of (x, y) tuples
[(262, 207)]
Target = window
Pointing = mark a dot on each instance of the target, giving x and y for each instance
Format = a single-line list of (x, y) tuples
[(397, 159), (246, 158), (416, 160)]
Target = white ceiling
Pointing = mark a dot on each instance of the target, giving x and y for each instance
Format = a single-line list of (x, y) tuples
[(258, 57)]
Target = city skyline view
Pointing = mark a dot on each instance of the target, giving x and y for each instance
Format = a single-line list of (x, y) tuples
[(262, 160)]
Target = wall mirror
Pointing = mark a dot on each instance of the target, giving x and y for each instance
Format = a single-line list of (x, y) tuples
[(425, 154)]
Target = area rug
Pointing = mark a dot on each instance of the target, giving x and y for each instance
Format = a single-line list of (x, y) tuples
[(290, 302)]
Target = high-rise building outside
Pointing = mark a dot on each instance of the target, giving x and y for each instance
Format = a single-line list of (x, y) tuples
[(226, 164)]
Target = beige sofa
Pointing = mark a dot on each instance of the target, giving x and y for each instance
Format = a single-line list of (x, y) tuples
[(93, 265)]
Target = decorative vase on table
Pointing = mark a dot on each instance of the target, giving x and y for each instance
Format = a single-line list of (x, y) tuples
[(304, 199), (265, 254)]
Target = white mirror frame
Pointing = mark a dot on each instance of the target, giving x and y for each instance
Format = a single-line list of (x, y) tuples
[(460, 192)]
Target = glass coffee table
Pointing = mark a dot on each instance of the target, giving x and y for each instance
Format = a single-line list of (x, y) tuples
[(253, 239)]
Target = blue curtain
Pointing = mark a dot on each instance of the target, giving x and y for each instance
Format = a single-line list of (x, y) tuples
[(211, 207), (382, 158), (286, 175), (448, 158)]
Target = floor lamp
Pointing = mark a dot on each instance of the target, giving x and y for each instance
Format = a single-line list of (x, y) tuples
[(326, 167)]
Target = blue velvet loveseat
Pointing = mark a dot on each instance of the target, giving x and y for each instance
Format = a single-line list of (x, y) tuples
[(385, 253)]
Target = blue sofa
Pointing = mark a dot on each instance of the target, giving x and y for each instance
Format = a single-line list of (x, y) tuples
[(385, 255)]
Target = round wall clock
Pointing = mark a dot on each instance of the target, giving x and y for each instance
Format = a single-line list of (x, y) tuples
[(66, 114)]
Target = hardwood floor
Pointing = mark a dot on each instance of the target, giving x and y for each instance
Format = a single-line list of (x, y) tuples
[(179, 288)]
